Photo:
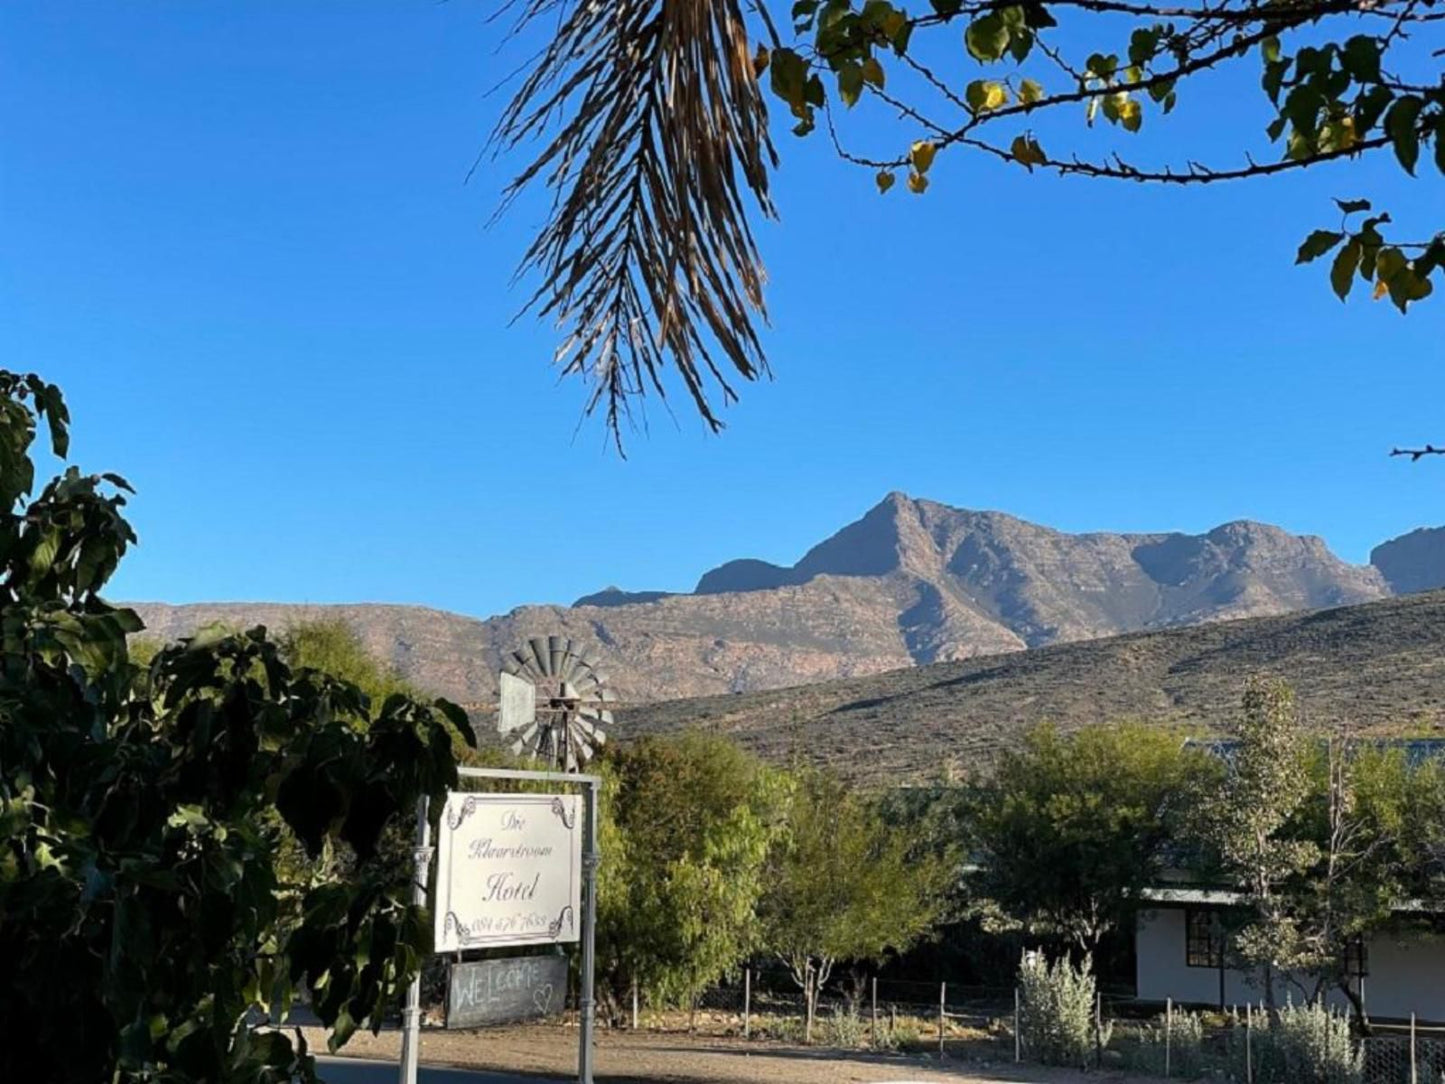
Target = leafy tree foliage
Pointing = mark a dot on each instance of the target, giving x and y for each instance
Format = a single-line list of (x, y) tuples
[(333, 647), (648, 259), (1376, 821), (1265, 789), (694, 819), (847, 885), (1071, 828), (142, 909)]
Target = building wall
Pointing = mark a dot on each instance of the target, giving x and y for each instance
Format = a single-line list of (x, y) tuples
[(1406, 971), (1407, 974)]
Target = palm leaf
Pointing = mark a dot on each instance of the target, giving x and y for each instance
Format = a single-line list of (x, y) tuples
[(649, 112)]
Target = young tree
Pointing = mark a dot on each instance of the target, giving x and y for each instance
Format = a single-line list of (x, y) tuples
[(1264, 790), (1071, 829), (846, 885), (655, 122), (695, 817), (141, 809)]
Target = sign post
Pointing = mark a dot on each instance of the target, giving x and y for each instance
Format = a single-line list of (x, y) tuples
[(512, 869), (411, 1014)]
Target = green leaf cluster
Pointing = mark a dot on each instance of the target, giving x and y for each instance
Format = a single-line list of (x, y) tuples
[(1365, 253)]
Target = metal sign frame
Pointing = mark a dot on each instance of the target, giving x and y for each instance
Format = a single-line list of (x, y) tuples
[(586, 1005)]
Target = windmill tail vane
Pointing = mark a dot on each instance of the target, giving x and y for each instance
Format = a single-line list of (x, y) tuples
[(554, 702)]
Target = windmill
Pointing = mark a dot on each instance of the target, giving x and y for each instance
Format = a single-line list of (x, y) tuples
[(553, 702)]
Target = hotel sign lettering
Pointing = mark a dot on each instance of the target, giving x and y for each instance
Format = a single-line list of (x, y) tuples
[(508, 870)]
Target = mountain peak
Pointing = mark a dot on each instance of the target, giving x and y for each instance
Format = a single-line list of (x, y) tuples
[(910, 581)]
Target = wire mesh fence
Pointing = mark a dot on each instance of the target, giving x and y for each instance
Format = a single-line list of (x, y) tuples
[(1123, 1034)]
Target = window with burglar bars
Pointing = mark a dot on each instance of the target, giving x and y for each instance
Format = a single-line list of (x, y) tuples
[(1203, 939)]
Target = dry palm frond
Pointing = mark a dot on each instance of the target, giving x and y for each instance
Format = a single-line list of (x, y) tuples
[(649, 109)]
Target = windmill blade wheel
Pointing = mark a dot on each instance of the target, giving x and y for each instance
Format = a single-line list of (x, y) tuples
[(553, 702)]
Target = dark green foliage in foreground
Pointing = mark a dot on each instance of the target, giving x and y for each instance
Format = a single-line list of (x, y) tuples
[(142, 810)]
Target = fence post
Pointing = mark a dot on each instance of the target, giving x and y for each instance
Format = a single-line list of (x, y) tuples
[(808, 1004), (1018, 1033), (747, 1003), (1414, 1068), (942, 995), (1098, 1030), (1168, 1032), (634, 1003), (1248, 1044), (875, 1010)]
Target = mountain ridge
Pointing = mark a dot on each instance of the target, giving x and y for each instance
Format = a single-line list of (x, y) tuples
[(911, 582)]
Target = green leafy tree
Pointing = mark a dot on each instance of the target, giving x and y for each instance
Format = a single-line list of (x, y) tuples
[(1071, 829), (1376, 821), (653, 120), (696, 817), (847, 885), (1249, 822), (142, 910), (332, 646)]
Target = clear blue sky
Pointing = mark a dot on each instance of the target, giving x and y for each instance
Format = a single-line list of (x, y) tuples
[(239, 236)]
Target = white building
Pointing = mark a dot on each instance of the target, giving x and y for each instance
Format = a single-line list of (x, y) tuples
[(1179, 951)]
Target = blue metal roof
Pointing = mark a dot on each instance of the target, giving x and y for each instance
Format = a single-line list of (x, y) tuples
[(1417, 751)]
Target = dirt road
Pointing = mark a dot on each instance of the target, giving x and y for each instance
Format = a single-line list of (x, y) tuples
[(625, 1057)]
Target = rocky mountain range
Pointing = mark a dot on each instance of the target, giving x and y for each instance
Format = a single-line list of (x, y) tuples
[(912, 582)]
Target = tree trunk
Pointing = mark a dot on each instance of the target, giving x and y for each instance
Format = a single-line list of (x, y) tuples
[(1357, 1007)]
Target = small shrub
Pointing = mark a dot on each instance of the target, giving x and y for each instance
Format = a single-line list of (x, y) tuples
[(1184, 1039), (1056, 1010), (899, 1033), (1308, 1044), (843, 1028), (785, 1029)]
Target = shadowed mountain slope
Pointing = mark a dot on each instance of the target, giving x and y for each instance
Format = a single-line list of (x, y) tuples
[(1375, 667)]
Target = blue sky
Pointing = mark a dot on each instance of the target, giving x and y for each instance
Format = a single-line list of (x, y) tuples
[(239, 236)]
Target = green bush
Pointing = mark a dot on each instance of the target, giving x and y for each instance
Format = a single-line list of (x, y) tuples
[(785, 1029), (1308, 1044), (1056, 1010), (843, 1028), (897, 1033), (1182, 1032)]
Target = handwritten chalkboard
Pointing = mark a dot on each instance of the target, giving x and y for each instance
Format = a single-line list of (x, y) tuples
[(503, 991)]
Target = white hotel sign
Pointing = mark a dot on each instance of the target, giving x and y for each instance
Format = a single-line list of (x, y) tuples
[(508, 870)]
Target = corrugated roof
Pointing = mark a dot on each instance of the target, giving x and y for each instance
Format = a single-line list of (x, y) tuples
[(1224, 897), (1417, 751)]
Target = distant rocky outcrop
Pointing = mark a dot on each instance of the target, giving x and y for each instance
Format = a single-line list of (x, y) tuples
[(1413, 562), (911, 582), (615, 596)]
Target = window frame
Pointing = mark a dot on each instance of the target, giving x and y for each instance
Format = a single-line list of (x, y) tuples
[(1212, 939), (1357, 958)]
